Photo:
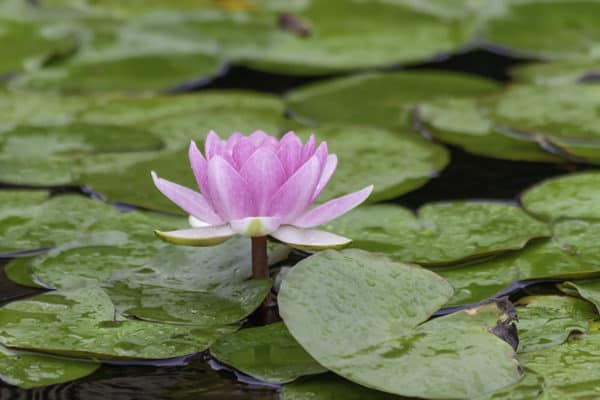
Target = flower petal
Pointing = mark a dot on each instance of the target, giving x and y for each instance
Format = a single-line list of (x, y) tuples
[(242, 151), (197, 223), (264, 174), (213, 145), (188, 200), (290, 152), (199, 168), (309, 239), (228, 190), (255, 226), (332, 209), (326, 174), (309, 148), (294, 196), (207, 236)]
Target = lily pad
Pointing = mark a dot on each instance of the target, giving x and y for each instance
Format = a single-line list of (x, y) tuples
[(569, 370), (572, 253), (383, 100), (389, 347), (547, 29), (568, 196), (548, 321), (465, 123), (557, 73), (331, 387), (439, 233), (120, 242), (370, 156), (268, 353), (29, 370), (199, 286), (588, 289), (337, 37), (80, 323), (28, 222)]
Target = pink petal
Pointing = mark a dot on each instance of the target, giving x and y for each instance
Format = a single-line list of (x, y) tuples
[(290, 152), (294, 196), (206, 236), (258, 137), (228, 190), (242, 151), (213, 145), (322, 153), (264, 174), (309, 239), (332, 209), (232, 141), (309, 148), (326, 174), (199, 168), (189, 201), (255, 226)]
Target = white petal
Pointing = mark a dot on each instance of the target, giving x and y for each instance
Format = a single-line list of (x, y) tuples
[(207, 236), (197, 223), (309, 239), (255, 226)]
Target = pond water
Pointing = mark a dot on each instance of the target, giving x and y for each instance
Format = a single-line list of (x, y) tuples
[(467, 177)]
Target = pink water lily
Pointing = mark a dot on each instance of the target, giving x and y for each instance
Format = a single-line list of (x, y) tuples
[(258, 185)]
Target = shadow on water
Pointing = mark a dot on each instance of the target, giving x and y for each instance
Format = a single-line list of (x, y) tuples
[(467, 176)]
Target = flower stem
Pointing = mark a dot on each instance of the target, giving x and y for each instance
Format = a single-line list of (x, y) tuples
[(260, 268)]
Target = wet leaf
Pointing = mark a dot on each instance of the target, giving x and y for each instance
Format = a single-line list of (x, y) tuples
[(268, 353), (385, 347), (587, 289), (330, 387), (439, 233), (557, 73)]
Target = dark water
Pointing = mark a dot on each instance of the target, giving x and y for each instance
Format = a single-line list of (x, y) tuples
[(467, 176)]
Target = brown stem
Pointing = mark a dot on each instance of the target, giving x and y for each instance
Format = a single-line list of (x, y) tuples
[(260, 270)]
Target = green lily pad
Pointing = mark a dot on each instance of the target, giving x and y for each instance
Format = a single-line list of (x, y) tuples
[(383, 100), (29, 370), (80, 323), (439, 233), (529, 387), (31, 43), (569, 370), (568, 196), (547, 29), (121, 242), (200, 286), (465, 123), (268, 353), (572, 253), (370, 156), (331, 387), (340, 38), (588, 289), (548, 321), (556, 73), (388, 347), (28, 222)]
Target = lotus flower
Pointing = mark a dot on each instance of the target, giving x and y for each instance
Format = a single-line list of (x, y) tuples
[(256, 186)]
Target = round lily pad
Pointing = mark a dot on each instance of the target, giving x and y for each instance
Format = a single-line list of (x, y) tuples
[(571, 253), (587, 289), (80, 323), (439, 233), (568, 196), (361, 315), (557, 73), (325, 37), (29, 370), (547, 321), (548, 29), (380, 99), (329, 386), (371, 156), (268, 353)]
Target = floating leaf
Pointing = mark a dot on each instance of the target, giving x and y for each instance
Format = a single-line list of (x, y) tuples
[(568, 196), (29, 370), (439, 233), (557, 73), (80, 323), (383, 100), (341, 38), (547, 29), (268, 353), (370, 155), (387, 346), (571, 253), (187, 285), (329, 387), (589, 290), (547, 321)]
